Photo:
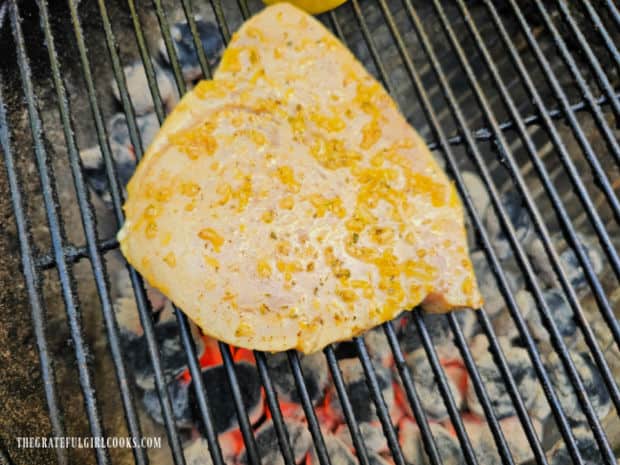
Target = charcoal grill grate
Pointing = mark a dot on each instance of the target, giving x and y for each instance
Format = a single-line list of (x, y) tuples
[(64, 254)]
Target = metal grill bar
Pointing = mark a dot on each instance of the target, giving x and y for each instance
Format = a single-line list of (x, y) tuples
[(63, 255), (95, 256), (556, 338), (356, 435), (424, 99), (602, 30), (596, 66), (56, 233), (274, 408), (136, 281), (596, 286), (579, 78), (542, 230), (33, 285), (564, 156)]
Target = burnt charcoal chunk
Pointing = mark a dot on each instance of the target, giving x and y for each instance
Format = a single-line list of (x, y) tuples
[(572, 265), (427, 387), (269, 447), (185, 48), (173, 357), (588, 449), (437, 326), (447, 445), (220, 396), (179, 398), (561, 314), (592, 381), (376, 459), (357, 389), (197, 453), (487, 282), (517, 213), (338, 452), (523, 374), (315, 373)]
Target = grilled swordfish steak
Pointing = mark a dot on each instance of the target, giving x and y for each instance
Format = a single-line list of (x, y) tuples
[(286, 203)]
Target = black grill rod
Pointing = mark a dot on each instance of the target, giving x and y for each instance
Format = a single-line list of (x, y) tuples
[(455, 417), (146, 61), (602, 30), (33, 285), (609, 316), (444, 388), (564, 155), (142, 302), (245, 10), (521, 256), (199, 387), (184, 329), (54, 220), (484, 134), (119, 76), (613, 9), (427, 437), (380, 405), (430, 446), (270, 393), (74, 253), (95, 256), (496, 267), (261, 363), (173, 59), (347, 408), (604, 304), (306, 403), (538, 221), (483, 396), (274, 408), (221, 19), (242, 415), (592, 59), (372, 382), (604, 83), (499, 358), (371, 379)]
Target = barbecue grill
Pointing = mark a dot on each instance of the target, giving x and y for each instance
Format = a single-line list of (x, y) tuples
[(527, 96)]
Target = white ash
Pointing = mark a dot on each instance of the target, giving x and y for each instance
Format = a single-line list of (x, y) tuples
[(572, 265), (517, 440), (587, 446), (197, 453), (493, 299), (268, 446), (595, 388), (477, 191), (448, 446), (372, 435), (427, 387), (179, 399), (523, 374), (315, 374), (338, 452), (139, 91), (520, 220), (118, 129), (410, 442), (359, 395), (185, 48)]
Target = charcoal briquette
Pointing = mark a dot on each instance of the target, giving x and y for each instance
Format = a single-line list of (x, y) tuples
[(179, 399), (339, 453), (220, 396), (315, 374), (269, 447)]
